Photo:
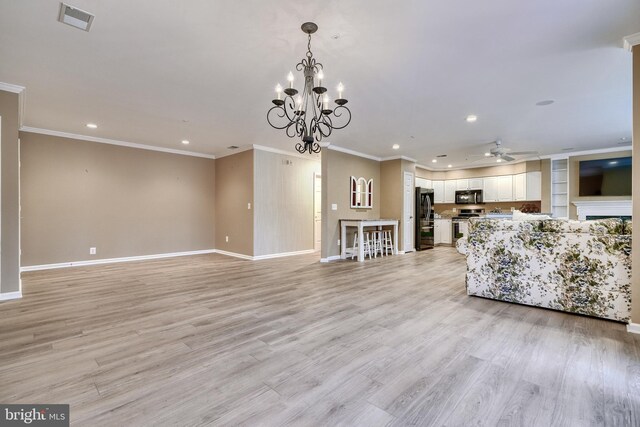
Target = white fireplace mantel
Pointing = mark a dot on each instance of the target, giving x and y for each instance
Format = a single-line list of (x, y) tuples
[(603, 208)]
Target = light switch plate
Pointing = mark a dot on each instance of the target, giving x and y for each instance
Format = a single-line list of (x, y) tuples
[(92, 251), (334, 206), (248, 205)]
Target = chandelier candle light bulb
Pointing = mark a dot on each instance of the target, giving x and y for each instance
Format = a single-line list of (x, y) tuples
[(293, 113)]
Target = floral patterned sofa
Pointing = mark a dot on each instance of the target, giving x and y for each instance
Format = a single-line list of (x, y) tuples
[(575, 266)]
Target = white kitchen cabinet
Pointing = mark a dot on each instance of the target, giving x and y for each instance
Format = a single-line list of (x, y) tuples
[(505, 188), (442, 232), (438, 191), (490, 189), (520, 186), (469, 184), (475, 183), (424, 183), (462, 184), (450, 191), (534, 185)]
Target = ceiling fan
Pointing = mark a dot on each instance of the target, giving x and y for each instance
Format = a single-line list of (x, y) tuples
[(505, 154)]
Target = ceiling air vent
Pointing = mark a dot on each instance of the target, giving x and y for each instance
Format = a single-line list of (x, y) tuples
[(75, 17)]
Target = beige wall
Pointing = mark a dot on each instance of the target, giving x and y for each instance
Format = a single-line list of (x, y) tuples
[(391, 193), (9, 193), (574, 179), (233, 193), (123, 201), (337, 167), (635, 284), (283, 198)]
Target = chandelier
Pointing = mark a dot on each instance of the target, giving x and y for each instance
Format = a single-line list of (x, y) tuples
[(308, 116)]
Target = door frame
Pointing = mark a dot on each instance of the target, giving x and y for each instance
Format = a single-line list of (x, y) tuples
[(407, 229)]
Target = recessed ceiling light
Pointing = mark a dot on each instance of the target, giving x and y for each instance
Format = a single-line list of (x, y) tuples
[(499, 160), (185, 142), (395, 146), (449, 166), (434, 161), (471, 118), (545, 102), (92, 126), (487, 154)]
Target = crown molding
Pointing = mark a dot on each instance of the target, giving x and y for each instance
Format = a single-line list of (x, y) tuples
[(352, 152), (22, 94), (8, 87), (238, 150), (429, 168), (585, 153), (29, 129), (313, 157), (630, 41), (409, 159)]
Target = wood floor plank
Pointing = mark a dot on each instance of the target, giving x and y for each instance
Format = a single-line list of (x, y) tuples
[(213, 340)]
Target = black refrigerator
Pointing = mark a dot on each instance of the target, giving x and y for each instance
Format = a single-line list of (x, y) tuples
[(424, 219)]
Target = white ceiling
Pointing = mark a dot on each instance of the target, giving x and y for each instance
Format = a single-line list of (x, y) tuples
[(157, 72)]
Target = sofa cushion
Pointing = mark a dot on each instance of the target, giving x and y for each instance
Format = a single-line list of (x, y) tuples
[(599, 226)]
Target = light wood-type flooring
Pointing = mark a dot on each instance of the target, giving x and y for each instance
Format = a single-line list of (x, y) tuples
[(393, 341)]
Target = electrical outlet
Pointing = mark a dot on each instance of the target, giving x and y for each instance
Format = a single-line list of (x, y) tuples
[(92, 251), (334, 207), (338, 242), (226, 238), (248, 205), (512, 209), (455, 209)]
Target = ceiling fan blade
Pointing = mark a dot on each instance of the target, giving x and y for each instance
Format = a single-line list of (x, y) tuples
[(507, 158), (522, 153)]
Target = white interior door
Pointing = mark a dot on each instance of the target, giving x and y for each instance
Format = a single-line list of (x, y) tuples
[(317, 212), (407, 213)]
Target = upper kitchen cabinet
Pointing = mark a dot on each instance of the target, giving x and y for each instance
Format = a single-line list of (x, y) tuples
[(490, 189), (505, 188), (469, 184), (527, 186), (534, 185), (438, 191), (424, 183), (476, 183), (450, 191)]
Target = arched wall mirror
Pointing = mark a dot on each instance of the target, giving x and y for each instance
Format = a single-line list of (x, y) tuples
[(361, 193)]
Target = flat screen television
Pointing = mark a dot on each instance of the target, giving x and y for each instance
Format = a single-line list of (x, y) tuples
[(605, 177)]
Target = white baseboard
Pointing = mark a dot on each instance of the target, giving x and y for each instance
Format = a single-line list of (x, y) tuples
[(283, 254), (633, 328), (112, 260), (233, 254), (156, 256), (10, 295), (268, 256), (331, 258), (401, 252)]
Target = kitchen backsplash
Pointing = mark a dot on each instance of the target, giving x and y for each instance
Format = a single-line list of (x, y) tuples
[(504, 206)]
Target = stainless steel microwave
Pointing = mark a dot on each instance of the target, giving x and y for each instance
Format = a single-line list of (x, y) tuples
[(469, 197)]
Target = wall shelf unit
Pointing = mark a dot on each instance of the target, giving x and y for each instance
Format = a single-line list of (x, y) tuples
[(560, 188)]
